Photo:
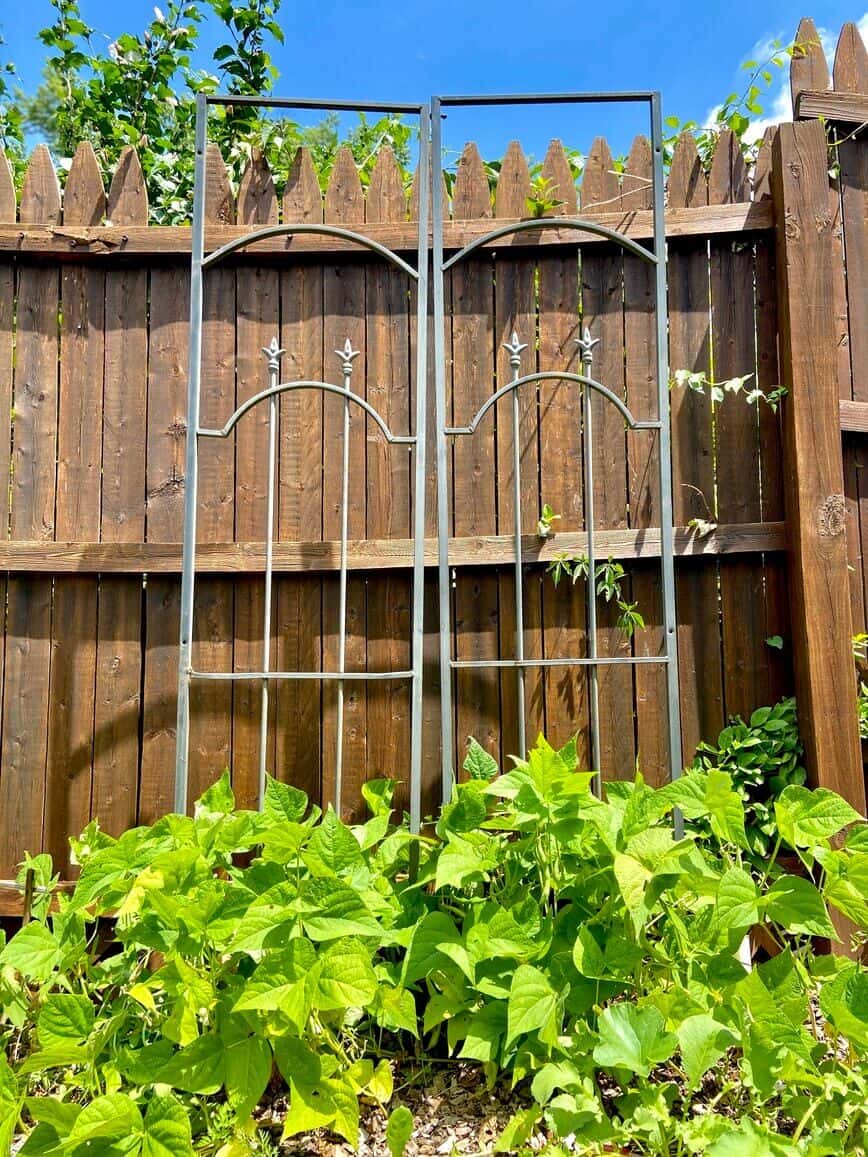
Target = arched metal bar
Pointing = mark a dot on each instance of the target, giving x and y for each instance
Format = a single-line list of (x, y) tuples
[(327, 387), (554, 375), (309, 227), (535, 223)]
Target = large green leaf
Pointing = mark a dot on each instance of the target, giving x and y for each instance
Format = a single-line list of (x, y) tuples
[(736, 908), (633, 1038), (167, 1129), (64, 1019), (10, 1105), (702, 1041), (346, 977), (478, 763), (196, 1068), (725, 809), (532, 1005), (114, 1118), (333, 849), (806, 817), (797, 906), (247, 1069), (844, 1000), (218, 800), (33, 951), (284, 802), (331, 910), (423, 952)]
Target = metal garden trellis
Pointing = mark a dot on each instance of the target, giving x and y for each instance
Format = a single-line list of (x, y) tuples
[(655, 257), (430, 177)]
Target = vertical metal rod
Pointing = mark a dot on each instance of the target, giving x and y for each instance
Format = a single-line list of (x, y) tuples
[(273, 352), (347, 355), (419, 476), (515, 347), (446, 740), (586, 344), (191, 468), (666, 535)]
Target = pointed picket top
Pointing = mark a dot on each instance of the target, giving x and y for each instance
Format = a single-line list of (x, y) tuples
[(257, 199), (809, 71), (762, 188), (344, 199), (40, 195), (562, 186), (7, 190), (515, 347), (513, 184), (128, 193), (219, 198), (637, 190), (688, 186), (347, 356), (302, 197), (414, 197), (600, 185), (851, 61), (386, 200), (84, 195), (727, 181), (471, 196)]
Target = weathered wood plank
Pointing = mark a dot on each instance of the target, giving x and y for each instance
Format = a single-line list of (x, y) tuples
[(602, 312), (388, 482), (847, 108), (474, 491), (113, 242), (304, 557), (820, 604), (298, 705), (71, 721), (117, 750)]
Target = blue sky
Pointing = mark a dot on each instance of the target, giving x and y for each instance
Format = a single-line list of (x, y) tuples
[(383, 51)]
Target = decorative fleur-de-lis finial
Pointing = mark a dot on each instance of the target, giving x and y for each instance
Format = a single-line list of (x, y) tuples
[(515, 347), (347, 356), (586, 344), (274, 353)]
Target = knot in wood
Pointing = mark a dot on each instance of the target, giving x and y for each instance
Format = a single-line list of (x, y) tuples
[(832, 516)]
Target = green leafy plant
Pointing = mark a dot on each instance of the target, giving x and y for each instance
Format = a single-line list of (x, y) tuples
[(608, 577), (698, 382), (541, 199), (763, 758), (566, 941), (547, 519)]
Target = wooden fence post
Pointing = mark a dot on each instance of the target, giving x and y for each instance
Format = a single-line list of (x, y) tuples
[(819, 583)]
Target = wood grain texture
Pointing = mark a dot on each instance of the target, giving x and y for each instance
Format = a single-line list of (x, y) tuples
[(8, 202), (808, 68), (602, 312), (820, 604), (71, 723), (474, 491), (26, 689), (344, 317), (298, 706)]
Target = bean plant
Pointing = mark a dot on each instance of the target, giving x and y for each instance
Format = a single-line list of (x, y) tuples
[(574, 945)]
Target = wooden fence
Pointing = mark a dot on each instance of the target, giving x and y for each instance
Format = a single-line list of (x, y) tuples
[(93, 360)]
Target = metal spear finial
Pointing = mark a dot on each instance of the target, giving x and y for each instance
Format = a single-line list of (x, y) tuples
[(586, 344), (515, 347), (347, 356), (274, 353)]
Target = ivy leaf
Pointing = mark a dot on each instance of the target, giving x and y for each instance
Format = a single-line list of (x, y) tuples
[(702, 1041), (478, 763), (797, 906), (532, 1005), (167, 1129), (806, 817), (399, 1130), (633, 1038)]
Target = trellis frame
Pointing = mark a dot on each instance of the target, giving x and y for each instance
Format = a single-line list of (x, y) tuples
[(655, 256), (187, 674)]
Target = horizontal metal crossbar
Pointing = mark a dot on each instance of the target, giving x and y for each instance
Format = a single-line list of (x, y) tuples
[(537, 223), (254, 676), (548, 98), (555, 375), (310, 102), (584, 661), (327, 387), (288, 230)]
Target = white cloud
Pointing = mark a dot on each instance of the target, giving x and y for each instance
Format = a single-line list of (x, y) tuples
[(776, 101)]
